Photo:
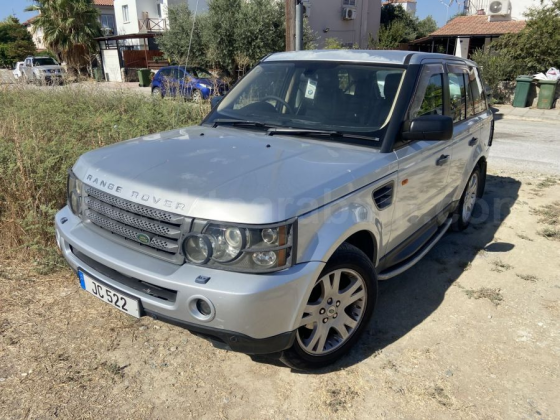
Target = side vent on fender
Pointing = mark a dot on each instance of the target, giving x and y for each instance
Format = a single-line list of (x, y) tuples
[(383, 196)]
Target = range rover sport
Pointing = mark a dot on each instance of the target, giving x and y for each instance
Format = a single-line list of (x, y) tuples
[(267, 227)]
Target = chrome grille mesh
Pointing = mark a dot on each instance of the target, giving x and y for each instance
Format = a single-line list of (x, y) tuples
[(127, 218), (130, 233), (155, 230), (134, 207)]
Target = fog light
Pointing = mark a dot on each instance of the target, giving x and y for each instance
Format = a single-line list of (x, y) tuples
[(203, 307)]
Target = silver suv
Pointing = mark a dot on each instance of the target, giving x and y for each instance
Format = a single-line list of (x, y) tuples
[(267, 227), (42, 70)]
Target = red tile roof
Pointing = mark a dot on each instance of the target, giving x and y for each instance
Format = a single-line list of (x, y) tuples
[(478, 25), (30, 21), (103, 2)]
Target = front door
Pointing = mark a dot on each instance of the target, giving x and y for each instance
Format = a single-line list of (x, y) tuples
[(423, 168)]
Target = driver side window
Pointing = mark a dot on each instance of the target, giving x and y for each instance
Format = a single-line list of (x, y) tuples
[(265, 87)]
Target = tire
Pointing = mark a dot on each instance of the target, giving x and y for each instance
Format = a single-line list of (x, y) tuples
[(157, 92), (463, 213), (357, 277)]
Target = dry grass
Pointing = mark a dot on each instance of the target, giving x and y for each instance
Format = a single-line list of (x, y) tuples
[(500, 266), (549, 214), (493, 295), (528, 277), (43, 130)]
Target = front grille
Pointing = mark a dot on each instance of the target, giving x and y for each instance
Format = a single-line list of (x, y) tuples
[(155, 231)]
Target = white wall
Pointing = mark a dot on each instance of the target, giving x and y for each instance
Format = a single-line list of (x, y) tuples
[(327, 14), (518, 7)]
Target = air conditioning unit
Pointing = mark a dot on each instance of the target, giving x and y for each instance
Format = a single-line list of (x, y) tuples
[(348, 13), (499, 8)]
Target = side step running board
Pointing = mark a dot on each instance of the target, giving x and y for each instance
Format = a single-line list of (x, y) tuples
[(401, 268)]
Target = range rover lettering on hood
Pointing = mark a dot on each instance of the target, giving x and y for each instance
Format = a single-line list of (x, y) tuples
[(111, 186)]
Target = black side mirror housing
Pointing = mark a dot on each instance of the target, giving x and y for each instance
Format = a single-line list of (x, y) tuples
[(428, 127), (215, 101)]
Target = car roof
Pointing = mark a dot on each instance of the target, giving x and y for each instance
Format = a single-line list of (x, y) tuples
[(366, 56)]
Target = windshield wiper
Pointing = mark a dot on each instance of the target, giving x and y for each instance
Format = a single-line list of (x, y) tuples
[(324, 133), (239, 123)]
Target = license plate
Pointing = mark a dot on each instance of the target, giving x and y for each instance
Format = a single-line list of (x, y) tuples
[(119, 300)]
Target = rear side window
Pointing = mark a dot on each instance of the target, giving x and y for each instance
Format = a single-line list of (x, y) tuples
[(457, 95), (428, 99), (476, 91)]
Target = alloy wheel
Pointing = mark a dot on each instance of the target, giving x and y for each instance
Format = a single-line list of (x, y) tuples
[(470, 197), (333, 313)]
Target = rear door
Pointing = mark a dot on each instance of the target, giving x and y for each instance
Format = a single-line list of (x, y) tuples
[(466, 130), (423, 170)]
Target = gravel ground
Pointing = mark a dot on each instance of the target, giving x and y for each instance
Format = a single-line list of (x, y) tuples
[(472, 331)]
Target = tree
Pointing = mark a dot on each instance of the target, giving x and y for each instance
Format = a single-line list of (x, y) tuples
[(260, 29), (16, 42), (175, 41), (221, 30), (537, 46), (426, 26), (69, 28), (408, 28), (391, 36)]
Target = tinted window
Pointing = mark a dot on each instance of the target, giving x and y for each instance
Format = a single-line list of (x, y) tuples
[(457, 96), (477, 91), (429, 93), (314, 95)]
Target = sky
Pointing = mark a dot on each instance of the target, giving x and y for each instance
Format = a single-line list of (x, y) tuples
[(423, 9)]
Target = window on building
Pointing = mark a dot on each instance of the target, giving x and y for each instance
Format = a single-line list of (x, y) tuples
[(108, 21), (160, 15), (125, 13), (348, 2)]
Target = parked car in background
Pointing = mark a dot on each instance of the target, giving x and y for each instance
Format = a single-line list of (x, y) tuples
[(42, 70), (18, 70), (267, 227), (193, 83)]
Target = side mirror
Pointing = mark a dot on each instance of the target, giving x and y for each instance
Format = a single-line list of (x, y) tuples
[(215, 101), (428, 127)]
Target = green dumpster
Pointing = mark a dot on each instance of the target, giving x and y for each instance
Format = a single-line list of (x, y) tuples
[(522, 91), (144, 77), (546, 93), (97, 74)]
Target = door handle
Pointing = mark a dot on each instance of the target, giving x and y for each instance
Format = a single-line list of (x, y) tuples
[(473, 141), (442, 160)]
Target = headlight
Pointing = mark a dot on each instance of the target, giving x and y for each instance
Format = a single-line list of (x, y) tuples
[(74, 193), (241, 248)]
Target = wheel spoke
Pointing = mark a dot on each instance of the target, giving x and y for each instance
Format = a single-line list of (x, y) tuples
[(342, 331), (349, 321), (355, 297), (325, 324), (335, 281)]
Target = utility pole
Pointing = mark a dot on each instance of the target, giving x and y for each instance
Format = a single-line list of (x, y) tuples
[(290, 6), (299, 25)]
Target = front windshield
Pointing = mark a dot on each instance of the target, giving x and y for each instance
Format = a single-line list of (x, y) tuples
[(200, 73), (342, 97), (44, 61)]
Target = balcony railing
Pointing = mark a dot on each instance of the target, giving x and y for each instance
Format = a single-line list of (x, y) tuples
[(152, 25)]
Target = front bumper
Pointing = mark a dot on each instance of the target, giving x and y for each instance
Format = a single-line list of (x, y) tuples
[(254, 314)]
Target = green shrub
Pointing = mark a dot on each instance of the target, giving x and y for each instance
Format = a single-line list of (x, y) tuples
[(44, 131)]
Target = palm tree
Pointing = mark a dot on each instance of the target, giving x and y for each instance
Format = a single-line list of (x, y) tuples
[(69, 28)]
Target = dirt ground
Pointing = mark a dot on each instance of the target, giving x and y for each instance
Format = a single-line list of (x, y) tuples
[(471, 332)]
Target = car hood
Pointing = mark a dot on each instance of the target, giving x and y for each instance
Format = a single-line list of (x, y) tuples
[(231, 175)]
